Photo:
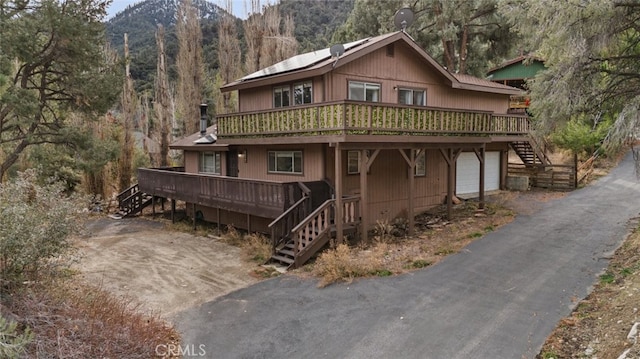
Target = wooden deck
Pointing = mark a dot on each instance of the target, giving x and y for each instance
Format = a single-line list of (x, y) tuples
[(266, 199), (366, 118)]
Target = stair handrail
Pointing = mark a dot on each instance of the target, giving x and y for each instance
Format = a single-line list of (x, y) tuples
[(132, 202), (350, 216), (291, 217), (539, 152), (131, 190), (297, 231)]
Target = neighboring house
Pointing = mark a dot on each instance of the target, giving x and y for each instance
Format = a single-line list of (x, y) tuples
[(515, 73), (323, 146)]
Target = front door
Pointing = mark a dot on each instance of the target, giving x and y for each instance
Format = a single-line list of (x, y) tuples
[(232, 163)]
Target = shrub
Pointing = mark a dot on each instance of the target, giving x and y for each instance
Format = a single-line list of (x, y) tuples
[(342, 264), (257, 247), (13, 342), (37, 221), (74, 320)]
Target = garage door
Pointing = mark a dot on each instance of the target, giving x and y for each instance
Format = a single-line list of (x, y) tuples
[(468, 172)]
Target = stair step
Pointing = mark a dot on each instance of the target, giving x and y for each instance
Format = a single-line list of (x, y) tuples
[(287, 252), (282, 259)]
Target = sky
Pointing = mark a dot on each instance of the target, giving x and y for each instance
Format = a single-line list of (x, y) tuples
[(239, 6)]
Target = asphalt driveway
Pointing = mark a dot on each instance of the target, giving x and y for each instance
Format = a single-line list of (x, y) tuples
[(498, 298)]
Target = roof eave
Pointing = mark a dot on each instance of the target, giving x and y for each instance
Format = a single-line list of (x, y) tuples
[(480, 88)]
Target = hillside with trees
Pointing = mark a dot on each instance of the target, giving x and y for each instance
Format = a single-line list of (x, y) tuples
[(86, 108)]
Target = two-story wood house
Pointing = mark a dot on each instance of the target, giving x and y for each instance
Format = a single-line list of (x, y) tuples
[(323, 145)]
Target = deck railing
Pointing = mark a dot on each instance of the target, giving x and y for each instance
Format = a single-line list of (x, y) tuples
[(354, 118), (261, 198)]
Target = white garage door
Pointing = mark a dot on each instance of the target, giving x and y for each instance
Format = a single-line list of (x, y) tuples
[(468, 172)]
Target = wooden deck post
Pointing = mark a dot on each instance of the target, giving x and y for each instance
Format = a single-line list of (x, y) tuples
[(450, 185), (173, 210), (194, 216), (338, 189), (364, 218), (412, 181), (450, 157), (480, 153), (411, 162)]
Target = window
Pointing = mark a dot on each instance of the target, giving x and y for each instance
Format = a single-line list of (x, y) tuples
[(363, 91), (285, 162), (209, 163), (412, 97), (302, 93), (353, 162), (421, 164), (390, 50), (281, 96)]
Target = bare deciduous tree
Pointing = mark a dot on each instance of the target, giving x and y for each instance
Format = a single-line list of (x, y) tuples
[(129, 104), (161, 104), (269, 40), (229, 55), (189, 66)]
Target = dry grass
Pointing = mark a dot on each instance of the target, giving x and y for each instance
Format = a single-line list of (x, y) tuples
[(391, 252), (601, 322), (74, 320), (255, 247), (345, 263)]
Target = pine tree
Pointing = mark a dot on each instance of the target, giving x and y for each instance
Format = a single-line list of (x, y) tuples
[(51, 63)]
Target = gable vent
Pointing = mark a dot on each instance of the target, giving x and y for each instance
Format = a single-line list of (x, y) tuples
[(390, 50)]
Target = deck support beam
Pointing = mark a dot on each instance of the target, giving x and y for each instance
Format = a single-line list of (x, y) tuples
[(480, 153), (411, 162), (366, 160), (338, 189), (173, 210), (194, 216), (450, 156)]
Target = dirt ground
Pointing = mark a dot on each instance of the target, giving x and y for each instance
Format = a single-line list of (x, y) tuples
[(168, 271), (164, 270), (602, 325)]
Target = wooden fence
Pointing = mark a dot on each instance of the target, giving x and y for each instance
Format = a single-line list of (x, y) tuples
[(555, 177)]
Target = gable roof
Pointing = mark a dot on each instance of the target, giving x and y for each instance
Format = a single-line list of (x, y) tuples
[(320, 62), (516, 68)]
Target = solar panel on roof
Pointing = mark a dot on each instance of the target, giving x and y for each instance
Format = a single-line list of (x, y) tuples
[(299, 61)]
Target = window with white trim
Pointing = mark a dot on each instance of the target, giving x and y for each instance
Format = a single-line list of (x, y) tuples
[(281, 96), (353, 162), (285, 162), (421, 164), (209, 162), (364, 91), (413, 97), (303, 93)]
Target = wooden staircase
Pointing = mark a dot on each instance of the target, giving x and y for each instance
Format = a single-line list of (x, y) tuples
[(294, 248), (131, 201), (530, 152)]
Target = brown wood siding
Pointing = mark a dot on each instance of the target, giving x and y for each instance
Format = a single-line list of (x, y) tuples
[(261, 98), (256, 165), (404, 69), (388, 184), (191, 162), (234, 219), (467, 100), (255, 99)]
